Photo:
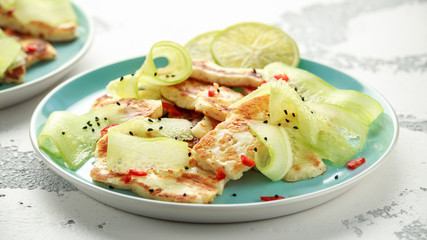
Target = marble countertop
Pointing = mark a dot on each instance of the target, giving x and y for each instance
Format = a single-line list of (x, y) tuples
[(382, 43)]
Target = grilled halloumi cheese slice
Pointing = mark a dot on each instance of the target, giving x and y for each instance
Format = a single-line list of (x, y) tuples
[(132, 107), (223, 146), (207, 71), (192, 185), (193, 95), (232, 138)]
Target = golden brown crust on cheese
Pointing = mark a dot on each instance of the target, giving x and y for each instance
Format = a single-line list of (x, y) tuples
[(132, 107), (62, 33), (207, 71), (15, 75), (194, 95)]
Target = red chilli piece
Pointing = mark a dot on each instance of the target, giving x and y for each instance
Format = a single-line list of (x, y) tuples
[(353, 164), (282, 76), (127, 178), (220, 175), (211, 92), (171, 109), (247, 161), (263, 81), (105, 130), (271, 198), (137, 173), (31, 48)]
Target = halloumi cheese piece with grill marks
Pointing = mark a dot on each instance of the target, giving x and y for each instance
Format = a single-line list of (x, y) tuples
[(232, 138), (192, 185), (132, 108), (193, 95), (207, 71), (223, 146)]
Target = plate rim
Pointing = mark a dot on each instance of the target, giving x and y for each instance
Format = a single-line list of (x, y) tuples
[(339, 187), (61, 69)]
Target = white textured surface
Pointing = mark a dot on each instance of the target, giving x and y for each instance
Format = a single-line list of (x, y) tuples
[(381, 42)]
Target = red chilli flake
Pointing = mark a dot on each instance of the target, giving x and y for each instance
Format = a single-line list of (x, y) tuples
[(247, 161), (127, 178), (263, 81), (31, 48), (220, 175), (353, 164), (282, 76), (105, 130), (170, 108), (271, 198), (137, 173), (211, 92)]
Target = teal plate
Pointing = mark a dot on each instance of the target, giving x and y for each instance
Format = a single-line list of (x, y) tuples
[(78, 93), (44, 74)]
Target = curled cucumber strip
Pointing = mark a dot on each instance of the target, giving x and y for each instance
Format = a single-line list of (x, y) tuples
[(179, 66)]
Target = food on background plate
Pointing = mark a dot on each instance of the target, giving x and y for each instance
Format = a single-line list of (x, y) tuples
[(52, 20), (19, 52), (166, 135)]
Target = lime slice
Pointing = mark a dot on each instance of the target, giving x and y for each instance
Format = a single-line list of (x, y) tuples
[(200, 46), (253, 45)]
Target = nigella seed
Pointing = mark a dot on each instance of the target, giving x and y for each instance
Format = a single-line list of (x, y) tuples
[(96, 118), (184, 194), (302, 98), (265, 121), (265, 138), (131, 133), (276, 196), (85, 127), (155, 74), (296, 89), (118, 103), (286, 112), (133, 74), (293, 114), (151, 190), (63, 133), (279, 124), (150, 129), (186, 168), (110, 187), (268, 114), (287, 120), (233, 194), (105, 119), (336, 176), (161, 127), (255, 149), (159, 119), (173, 75), (121, 79), (311, 112), (150, 120), (167, 75), (98, 124), (295, 127), (189, 154), (176, 138), (254, 70), (218, 90), (93, 130)]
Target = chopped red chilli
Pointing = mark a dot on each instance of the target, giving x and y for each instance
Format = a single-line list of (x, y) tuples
[(127, 178), (105, 130), (31, 48), (282, 76), (249, 162), (211, 92), (137, 173), (220, 175), (271, 198), (170, 108), (353, 164)]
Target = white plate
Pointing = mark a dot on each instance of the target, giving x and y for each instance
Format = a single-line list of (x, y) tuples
[(44, 74)]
